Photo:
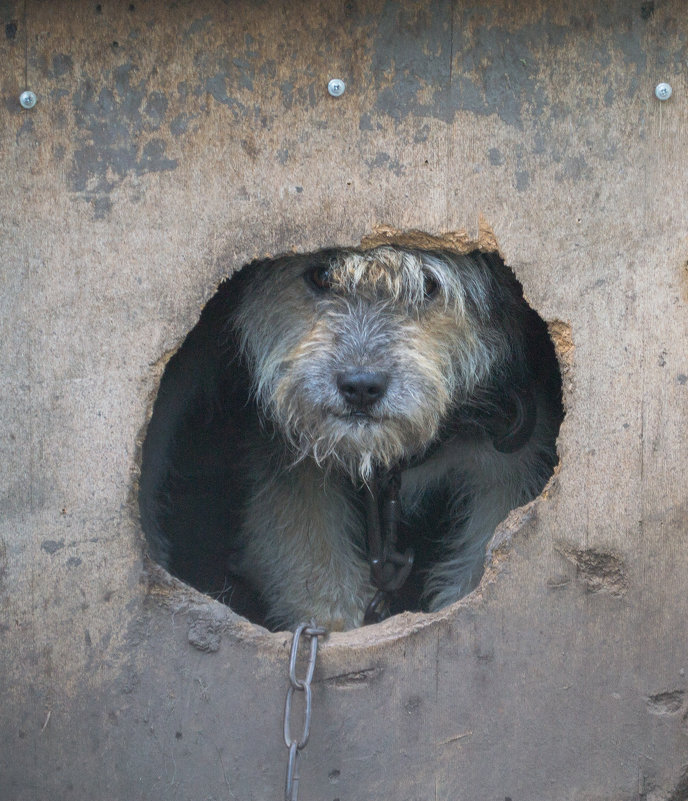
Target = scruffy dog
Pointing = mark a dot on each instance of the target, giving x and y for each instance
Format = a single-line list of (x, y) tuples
[(307, 376)]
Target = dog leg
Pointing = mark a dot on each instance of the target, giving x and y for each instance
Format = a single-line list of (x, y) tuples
[(487, 486), (302, 536), (461, 569)]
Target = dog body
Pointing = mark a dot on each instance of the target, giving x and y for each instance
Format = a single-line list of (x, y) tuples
[(310, 375)]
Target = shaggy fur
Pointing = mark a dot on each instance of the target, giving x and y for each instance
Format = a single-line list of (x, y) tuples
[(308, 373)]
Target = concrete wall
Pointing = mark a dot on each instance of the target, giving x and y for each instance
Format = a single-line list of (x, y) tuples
[(173, 141)]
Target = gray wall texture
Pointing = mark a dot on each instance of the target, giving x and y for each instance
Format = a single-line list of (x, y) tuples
[(172, 142)]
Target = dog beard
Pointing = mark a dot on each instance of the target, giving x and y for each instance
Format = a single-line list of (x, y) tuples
[(359, 444)]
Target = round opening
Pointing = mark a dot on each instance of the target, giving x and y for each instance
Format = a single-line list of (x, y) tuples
[(340, 434)]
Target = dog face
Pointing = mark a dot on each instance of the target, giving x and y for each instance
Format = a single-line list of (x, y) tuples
[(358, 356)]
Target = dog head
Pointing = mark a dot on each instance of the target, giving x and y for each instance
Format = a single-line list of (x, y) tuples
[(357, 357)]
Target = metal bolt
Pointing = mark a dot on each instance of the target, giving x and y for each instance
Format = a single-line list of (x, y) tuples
[(27, 99), (336, 87), (663, 91)]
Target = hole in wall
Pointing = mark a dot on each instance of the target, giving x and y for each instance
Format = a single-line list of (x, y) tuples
[(310, 379)]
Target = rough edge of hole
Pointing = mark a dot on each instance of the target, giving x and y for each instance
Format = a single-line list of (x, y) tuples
[(174, 594)]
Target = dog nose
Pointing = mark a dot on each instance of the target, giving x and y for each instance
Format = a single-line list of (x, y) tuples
[(361, 388)]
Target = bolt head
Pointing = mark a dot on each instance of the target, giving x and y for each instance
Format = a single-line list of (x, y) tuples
[(663, 91), (336, 87), (27, 99)]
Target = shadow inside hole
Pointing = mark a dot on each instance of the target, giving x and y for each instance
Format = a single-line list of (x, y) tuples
[(210, 454)]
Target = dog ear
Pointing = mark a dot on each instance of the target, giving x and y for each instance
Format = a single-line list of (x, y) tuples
[(512, 422)]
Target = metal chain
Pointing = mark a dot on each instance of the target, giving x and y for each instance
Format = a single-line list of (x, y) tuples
[(297, 744), (389, 569)]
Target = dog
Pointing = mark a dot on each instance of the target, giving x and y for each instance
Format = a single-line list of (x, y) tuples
[(307, 377)]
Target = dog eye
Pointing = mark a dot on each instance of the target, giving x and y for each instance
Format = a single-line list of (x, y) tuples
[(320, 278), (430, 285)]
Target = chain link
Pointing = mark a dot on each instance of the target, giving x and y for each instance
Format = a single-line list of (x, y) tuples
[(297, 744), (389, 569)]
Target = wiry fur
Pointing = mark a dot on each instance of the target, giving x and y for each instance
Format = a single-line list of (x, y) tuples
[(462, 356)]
